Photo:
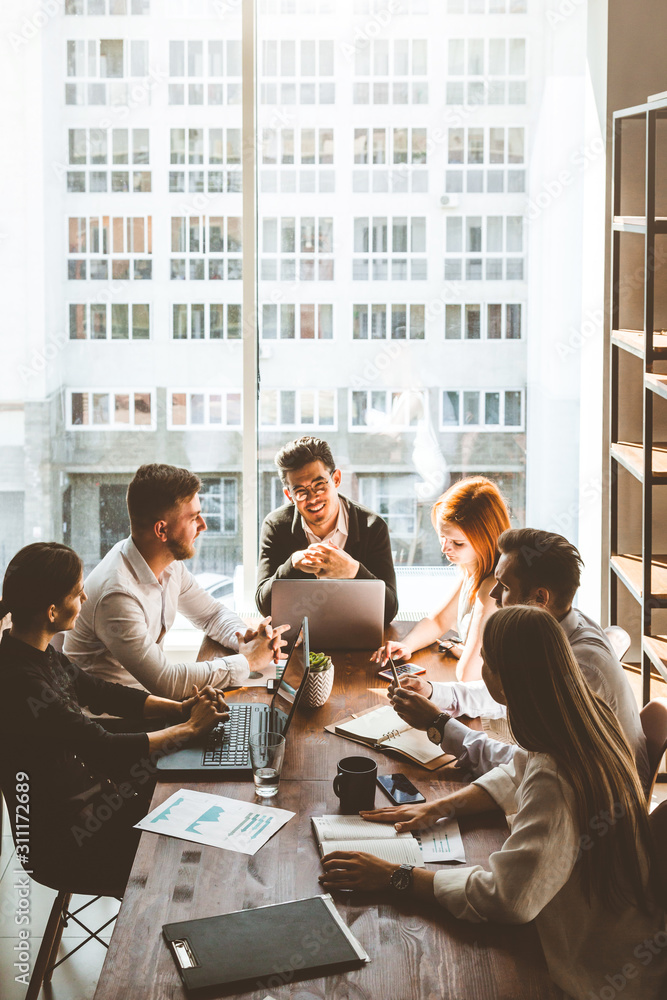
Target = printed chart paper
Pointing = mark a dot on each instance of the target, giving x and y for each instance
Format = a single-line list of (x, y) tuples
[(203, 818), (442, 842)]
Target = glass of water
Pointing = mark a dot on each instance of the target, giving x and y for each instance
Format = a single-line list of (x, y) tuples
[(266, 756)]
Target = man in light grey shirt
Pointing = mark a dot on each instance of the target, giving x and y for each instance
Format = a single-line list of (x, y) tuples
[(541, 568), (135, 592)]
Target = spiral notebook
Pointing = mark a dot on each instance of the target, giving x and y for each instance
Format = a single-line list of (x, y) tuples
[(383, 729)]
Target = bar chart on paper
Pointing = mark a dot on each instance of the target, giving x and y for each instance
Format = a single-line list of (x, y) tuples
[(216, 820)]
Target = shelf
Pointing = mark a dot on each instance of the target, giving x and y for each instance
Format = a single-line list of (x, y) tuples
[(637, 224), (657, 384), (633, 342), (628, 568), (655, 647), (655, 102), (631, 456)]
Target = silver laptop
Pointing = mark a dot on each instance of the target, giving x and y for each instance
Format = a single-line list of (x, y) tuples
[(226, 749), (342, 614)]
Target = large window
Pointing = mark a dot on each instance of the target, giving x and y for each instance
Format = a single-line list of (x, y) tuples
[(408, 306)]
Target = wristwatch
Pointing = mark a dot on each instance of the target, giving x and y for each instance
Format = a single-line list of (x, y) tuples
[(401, 879), (436, 730)]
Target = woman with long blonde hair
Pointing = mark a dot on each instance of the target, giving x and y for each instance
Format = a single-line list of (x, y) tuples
[(469, 518), (578, 858)]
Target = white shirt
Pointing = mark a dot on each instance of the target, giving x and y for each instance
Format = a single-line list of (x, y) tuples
[(603, 672), (534, 877), (338, 534), (119, 634)]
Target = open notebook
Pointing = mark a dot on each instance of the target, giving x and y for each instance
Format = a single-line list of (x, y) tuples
[(383, 729), (352, 833)]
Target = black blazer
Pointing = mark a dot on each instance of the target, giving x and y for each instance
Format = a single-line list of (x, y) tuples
[(367, 541)]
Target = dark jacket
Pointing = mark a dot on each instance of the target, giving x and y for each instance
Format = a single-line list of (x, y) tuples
[(367, 541)]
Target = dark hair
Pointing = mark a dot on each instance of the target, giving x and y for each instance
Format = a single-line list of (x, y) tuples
[(38, 576), (544, 559), (157, 489), (296, 454)]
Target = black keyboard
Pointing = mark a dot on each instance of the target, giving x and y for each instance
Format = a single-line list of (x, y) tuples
[(227, 744)]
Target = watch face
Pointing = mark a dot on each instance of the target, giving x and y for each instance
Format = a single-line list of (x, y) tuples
[(434, 734), (401, 879)]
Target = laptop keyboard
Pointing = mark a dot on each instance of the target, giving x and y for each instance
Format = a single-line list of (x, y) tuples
[(227, 745)]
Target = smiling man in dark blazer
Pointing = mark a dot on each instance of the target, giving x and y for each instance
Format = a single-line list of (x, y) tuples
[(319, 532)]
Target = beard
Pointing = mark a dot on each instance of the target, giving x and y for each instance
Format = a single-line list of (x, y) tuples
[(180, 550)]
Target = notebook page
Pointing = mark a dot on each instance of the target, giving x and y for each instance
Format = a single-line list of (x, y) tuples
[(401, 851), (417, 744), (374, 725), (341, 828)]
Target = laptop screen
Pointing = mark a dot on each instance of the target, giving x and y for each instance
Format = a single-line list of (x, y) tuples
[(290, 682)]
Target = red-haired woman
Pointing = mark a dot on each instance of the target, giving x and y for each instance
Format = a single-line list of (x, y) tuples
[(469, 519)]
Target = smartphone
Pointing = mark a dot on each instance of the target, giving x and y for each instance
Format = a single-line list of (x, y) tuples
[(403, 670), (449, 639), (400, 789)]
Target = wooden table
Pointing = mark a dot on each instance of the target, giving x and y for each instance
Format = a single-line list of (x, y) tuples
[(417, 950)]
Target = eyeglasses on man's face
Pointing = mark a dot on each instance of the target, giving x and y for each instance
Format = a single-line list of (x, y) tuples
[(301, 493)]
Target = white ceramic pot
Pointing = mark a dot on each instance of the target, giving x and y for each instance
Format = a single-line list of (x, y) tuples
[(318, 688)]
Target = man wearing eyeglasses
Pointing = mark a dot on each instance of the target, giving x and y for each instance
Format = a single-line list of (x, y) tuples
[(319, 532)]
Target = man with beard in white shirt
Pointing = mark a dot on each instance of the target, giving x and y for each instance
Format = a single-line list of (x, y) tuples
[(136, 590), (543, 569)]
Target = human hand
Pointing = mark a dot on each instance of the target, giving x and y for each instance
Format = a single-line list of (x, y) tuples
[(414, 709), (355, 870), (331, 562), (265, 646), (208, 709), (418, 816), (415, 684), (303, 560), (273, 634), (396, 650)]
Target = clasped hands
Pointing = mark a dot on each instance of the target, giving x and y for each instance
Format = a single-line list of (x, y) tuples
[(263, 645), (326, 560)]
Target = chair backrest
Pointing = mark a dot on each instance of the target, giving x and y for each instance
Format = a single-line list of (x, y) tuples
[(658, 823), (654, 724), (619, 639)]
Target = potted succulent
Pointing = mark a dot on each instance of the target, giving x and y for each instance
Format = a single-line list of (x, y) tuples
[(320, 680)]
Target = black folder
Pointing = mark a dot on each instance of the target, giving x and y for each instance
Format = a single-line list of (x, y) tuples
[(269, 946)]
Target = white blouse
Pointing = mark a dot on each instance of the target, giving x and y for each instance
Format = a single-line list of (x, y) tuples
[(591, 953)]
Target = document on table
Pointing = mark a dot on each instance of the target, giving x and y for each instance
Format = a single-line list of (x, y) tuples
[(442, 842), (202, 818)]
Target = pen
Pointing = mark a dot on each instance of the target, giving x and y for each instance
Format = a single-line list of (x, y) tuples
[(394, 672)]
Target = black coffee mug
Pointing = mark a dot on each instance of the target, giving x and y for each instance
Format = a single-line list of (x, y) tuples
[(355, 784)]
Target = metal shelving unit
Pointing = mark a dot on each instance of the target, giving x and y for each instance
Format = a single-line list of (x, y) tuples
[(644, 574)]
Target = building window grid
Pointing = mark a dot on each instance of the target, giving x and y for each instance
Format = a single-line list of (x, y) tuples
[(490, 71), (205, 72), (98, 149), (213, 148), (487, 158), (394, 321), (300, 321), (110, 247), (297, 248), (219, 505), (216, 239), (100, 71), (110, 409), (213, 409), (297, 72), (297, 159), (109, 321), (103, 7), (486, 247), (394, 160), (484, 321), (392, 72), (294, 409), (206, 321), (482, 409), (389, 248), (393, 498), (386, 409), (364, 7), (273, 8)]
